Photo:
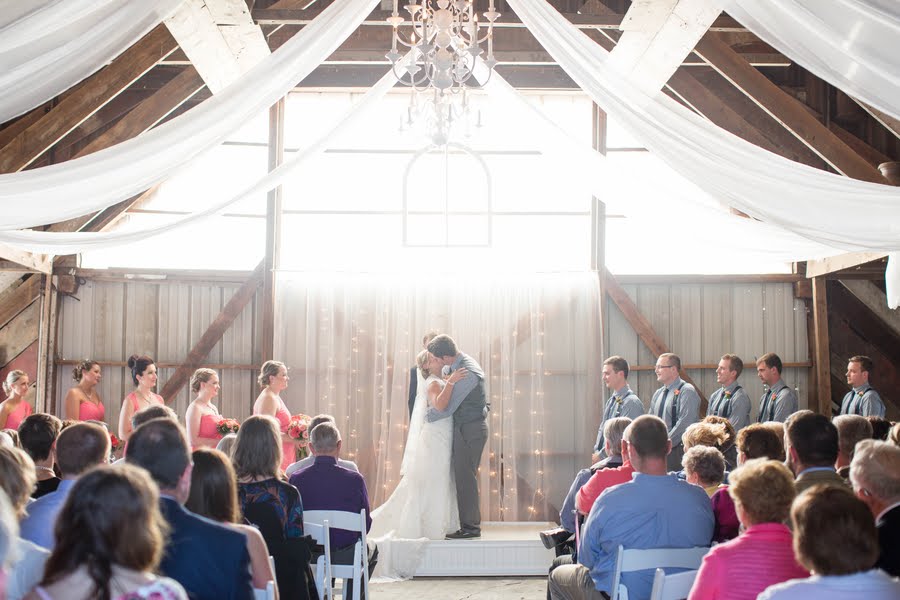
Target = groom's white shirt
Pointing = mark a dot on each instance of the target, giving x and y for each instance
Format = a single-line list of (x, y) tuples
[(461, 388)]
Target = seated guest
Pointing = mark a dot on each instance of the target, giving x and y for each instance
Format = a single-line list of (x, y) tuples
[(653, 510), (214, 496), (777, 427), (762, 555), (759, 441), (309, 460), (812, 449), (835, 538), (110, 539), (612, 446), (226, 444), (38, 433), (157, 411), (608, 477), (80, 447), (728, 448), (875, 474), (272, 505), (851, 429), (705, 433), (881, 427), (705, 467), (210, 560), (328, 486), (26, 565)]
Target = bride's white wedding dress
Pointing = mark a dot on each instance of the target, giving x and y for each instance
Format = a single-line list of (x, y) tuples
[(423, 506)]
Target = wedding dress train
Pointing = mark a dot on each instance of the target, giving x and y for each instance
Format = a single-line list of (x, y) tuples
[(423, 506)]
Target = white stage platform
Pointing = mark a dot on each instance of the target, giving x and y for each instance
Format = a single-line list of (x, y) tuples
[(504, 549)]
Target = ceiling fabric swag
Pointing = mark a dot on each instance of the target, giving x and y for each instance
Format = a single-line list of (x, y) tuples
[(49, 46), (851, 44), (46, 242), (812, 203), (84, 185)]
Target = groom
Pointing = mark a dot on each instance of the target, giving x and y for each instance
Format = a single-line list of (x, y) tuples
[(469, 408)]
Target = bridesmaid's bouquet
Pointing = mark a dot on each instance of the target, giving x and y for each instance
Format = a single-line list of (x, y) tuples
[(226, 426), (298, 429), (114, 442)]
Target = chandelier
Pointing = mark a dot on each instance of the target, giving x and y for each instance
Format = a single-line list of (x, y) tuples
[(443, 44)]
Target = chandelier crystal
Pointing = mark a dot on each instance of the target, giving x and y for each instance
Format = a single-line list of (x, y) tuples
[(443, 43)]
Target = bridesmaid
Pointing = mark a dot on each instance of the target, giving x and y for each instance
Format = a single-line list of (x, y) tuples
[(202, 416), (15, 408), (273, 378), (143, 374), (82, 401)]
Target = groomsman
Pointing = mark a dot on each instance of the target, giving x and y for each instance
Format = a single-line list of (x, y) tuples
[(677, 403), (780, 401), (622, 402), (862, 399), (730, 400)]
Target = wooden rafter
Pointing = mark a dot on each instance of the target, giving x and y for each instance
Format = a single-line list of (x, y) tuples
[(789, 112), (213, 334), (43, 133), (20, 259), (643, 327), (21, 298)]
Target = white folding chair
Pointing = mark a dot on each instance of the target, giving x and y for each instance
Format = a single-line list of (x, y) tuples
[(321, 532), (672, 587), (652, 558), (266, 594), (358, 570)]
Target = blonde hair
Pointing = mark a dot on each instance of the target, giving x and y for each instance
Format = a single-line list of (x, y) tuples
[(17, 477), (80, 368), (201, 376), (705, 434), (11, 378), (269, 369), (421, 361), (764, 489)]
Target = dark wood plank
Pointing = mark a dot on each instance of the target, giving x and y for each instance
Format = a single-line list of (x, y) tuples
[(821, 356)]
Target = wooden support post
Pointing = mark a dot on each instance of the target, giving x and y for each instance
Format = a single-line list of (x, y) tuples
[(643, 328), (46, 335), (273, 231), (822, 357), (212, 335)]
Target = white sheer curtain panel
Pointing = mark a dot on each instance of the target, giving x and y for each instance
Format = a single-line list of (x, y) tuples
[(830, 209), (350, 341), (90, 183), (58, 243), (852, 44), (47, 47)]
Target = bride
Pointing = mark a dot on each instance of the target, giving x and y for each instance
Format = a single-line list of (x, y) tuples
[(423, 506)]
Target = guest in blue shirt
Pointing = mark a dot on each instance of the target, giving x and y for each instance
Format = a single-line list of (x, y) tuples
[(654, 510), (328, 486), (79, 448)]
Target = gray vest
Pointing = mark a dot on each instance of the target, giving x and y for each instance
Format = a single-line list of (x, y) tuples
[(473, 407)]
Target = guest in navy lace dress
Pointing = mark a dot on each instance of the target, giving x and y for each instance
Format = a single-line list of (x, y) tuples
[(270, 503)]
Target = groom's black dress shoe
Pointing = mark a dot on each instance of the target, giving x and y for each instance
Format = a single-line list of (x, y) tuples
[(463, 535)]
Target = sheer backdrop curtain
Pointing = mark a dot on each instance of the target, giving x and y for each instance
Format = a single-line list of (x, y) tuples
[(349, 342)]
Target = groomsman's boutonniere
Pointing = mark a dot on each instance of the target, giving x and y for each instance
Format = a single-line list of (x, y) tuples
[(860, 392), (676, 392), (617, 399), (727, 395)]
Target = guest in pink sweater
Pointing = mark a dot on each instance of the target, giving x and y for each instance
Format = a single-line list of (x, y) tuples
[(763, 554)]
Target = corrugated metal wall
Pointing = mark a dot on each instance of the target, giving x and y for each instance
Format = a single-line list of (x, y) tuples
[(109, 321), (701, 322)]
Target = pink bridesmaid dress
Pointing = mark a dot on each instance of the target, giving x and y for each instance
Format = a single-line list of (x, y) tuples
[(15, 418), (284, 418), (88, 411), (208, 428)]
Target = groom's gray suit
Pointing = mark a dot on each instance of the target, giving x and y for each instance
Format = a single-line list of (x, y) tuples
[(468, 404)]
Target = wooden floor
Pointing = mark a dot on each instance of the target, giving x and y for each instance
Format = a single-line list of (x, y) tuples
[(462, 588)]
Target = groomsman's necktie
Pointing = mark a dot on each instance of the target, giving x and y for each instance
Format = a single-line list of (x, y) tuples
[(660, 411), (765, 407)]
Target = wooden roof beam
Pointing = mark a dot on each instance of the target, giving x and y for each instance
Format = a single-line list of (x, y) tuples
[(22, 260), (96, 91), (785, 109)]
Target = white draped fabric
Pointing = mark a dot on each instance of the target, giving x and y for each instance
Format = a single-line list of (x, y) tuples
[(350, 340), (47, 46), (802, 199), (852, 44), (93, 182), (59, 243)]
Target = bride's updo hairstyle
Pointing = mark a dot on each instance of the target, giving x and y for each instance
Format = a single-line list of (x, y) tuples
[(422, 361), (269, 369)]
